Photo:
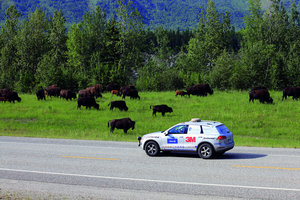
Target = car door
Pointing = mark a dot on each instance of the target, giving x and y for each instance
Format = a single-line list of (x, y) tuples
[(193, 138), (174, 140)]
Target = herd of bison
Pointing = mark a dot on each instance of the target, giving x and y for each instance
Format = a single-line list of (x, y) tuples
[(87, 97)]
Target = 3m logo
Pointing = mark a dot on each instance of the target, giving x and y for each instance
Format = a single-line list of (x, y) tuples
[(190, 139)]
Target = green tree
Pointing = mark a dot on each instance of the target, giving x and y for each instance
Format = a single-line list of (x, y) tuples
[(49, 69), (132, 41), (32, 42), (86, 39), (8, 47)]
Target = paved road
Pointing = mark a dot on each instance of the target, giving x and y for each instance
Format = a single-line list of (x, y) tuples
[(120, 170)]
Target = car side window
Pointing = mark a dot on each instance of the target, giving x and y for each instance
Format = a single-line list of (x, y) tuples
[(180, 129), (207, 130), (195, 129)]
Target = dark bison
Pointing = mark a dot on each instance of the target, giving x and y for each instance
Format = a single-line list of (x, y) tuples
[(126, 87), (259, 88), (67, 94), (161, 108), (125, 124), (40, 94), (3, 91), (117, 92), (98, 88), (118, 104), (181, 93), (93, 92), (132, 93), (53, 92), (262, 95), (196, 91), (203, 89), (291, 91), (112, 87), (12, 96), (51, 86), (88, 102)]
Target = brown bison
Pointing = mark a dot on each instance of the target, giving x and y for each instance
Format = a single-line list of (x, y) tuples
[(125, 124), (291, 91), (88, 102), (181, 93), (118, 104), (262, 95), (126, 87), (132, 93), (161, 108), (67, 94), (12, 96), (116, 92)]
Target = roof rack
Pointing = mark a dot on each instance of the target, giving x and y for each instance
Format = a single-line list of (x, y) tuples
[(196, 120)]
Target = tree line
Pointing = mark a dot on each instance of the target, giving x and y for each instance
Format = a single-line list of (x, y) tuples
[(41, 51)]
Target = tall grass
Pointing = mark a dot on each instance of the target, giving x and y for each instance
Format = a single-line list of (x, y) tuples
[(253, 124)]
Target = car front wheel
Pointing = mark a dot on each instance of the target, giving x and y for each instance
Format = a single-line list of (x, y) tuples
[(152, 149), (205, 151)]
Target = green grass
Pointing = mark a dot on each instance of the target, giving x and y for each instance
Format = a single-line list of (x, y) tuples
[(253, 124)]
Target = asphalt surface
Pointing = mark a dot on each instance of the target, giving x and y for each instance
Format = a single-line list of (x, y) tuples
[(69, 169)]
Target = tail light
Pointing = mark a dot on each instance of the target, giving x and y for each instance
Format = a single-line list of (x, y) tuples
[(221, 138)]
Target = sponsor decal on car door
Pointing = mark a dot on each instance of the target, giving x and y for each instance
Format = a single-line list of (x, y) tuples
[(192, 138)]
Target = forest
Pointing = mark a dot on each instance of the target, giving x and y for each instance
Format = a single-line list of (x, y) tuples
[(42, 51)]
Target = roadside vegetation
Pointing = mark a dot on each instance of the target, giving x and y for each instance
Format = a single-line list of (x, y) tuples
[(253, 124)]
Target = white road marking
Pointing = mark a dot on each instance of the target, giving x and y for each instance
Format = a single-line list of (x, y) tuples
[(150, 180), (67, 145)]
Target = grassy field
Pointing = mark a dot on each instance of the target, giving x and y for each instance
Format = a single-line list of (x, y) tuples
[(253, 124)]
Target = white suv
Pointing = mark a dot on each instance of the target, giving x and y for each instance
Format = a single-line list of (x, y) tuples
[(206, 137)]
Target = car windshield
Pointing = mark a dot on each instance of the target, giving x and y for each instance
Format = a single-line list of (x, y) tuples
[(222, 129)]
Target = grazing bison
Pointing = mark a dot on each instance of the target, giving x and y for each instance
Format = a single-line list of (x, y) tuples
[(262, 95), (93, 92), (67, 94), (97, 88), (112, 87), (126, 87), (51, 86), (291, 91), (125, 124), (53, 92), (196, 91), (118, 104), (203, 89), (181, 93), (88, 102), (12, 96), (130, 92), (161, 108), (40, 94), (117, 92)]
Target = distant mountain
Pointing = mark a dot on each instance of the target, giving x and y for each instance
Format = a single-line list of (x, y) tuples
[(168, 13)]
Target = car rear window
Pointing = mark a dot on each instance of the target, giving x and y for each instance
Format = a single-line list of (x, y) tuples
[(222, 129)]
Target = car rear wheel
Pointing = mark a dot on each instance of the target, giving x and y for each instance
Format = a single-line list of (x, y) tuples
[(152, 149), (206, 151)]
